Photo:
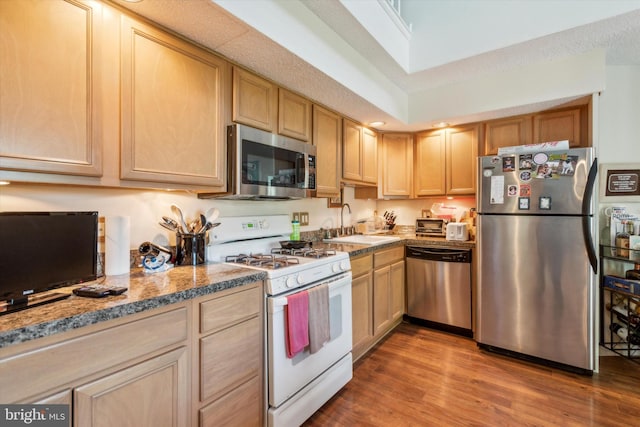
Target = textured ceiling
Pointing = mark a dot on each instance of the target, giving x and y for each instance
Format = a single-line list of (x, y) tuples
[(212, 26)]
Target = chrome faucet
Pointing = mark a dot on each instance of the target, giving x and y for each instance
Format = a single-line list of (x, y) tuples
[(341, 217)]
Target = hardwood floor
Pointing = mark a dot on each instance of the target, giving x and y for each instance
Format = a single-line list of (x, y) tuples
[(422, 377)]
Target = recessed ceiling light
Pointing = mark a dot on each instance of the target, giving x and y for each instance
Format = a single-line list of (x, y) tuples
[(376, 123)]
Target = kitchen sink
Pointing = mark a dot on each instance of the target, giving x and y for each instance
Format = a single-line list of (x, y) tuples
[(363, 239)]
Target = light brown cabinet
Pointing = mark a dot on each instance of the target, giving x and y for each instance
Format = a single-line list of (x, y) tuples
[(327, 137), (362, 304), (294, 115), (197, 362), (172, 109), (255, 101), (359, 154), (51, 103), (378, 296), (396, 165), (445, 161), (557, 126), (571, 124), (230, 358), (506, 132), (154, 392)]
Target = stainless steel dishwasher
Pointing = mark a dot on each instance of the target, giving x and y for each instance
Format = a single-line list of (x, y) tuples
[(439, 288)]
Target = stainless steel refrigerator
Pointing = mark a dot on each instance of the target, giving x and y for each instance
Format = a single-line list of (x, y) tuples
[(536, 256)]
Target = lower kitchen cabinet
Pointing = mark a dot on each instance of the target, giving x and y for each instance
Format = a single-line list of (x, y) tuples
[(377, 297), (362, 304), (197, 362), (152, 393), (230, 358)]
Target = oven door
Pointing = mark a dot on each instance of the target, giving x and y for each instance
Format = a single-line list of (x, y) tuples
[(288, 376)]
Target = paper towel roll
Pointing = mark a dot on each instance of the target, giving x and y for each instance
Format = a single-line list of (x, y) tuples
[(117, 245)]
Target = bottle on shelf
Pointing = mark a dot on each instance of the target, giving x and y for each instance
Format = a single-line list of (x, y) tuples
[(627, 316), (623, 333), (633, 274), (622, 239)]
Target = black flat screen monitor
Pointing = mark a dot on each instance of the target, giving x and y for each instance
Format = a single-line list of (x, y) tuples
[(40, 251)]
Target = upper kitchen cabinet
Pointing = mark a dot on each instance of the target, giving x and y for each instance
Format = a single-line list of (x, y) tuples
[(173, 127), (429, 163), (570, 123), (558, 126), (359, 154), (445, 161), (506, 133), (396, 165), (327, 137), (50, 97), (462, 153), (294, 115), (255, 101)]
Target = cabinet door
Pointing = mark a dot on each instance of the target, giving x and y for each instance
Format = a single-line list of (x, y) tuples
[(397, 290), (230, 357), (255, 101), (557, 126), (351, 151), (506, 133), (362, 316), (462, 149), (152, 393), (369, 156), (327, 137), (241, 407), (50, 97), (397, 164), (172, 109), (429, 163), (294, 115), (381, 300)]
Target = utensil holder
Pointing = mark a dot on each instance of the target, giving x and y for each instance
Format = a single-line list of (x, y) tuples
[(190, 249)]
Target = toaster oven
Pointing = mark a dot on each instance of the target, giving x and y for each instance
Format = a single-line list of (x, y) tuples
[(436, 227)]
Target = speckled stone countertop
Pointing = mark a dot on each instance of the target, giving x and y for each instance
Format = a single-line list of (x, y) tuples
[(405, 239), (145, 292), (149, 291)]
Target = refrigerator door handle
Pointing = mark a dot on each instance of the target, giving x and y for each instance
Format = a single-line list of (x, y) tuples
[(586, 216)]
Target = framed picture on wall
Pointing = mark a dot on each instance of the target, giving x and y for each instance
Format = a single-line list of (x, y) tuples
[(335, 202)]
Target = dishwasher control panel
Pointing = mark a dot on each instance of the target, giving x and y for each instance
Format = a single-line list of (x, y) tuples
[(439, 254)]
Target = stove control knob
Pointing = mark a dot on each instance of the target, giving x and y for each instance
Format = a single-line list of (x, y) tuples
[(336, 268), (290, 282), (344, 266), (300, 279)]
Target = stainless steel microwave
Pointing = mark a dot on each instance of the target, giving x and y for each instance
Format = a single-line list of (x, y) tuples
[(263, 165)]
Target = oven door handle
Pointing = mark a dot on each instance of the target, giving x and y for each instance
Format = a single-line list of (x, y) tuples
[(336, 283)]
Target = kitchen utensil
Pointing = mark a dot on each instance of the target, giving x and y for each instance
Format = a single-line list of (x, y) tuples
[(203, 221), (172, 222), (168, 227), (177, 212), (294, 244), (212, 214)]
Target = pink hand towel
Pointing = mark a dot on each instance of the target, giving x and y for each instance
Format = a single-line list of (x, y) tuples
[(319, 326), (297, 323)]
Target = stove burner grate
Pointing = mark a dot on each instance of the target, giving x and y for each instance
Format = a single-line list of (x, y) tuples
[(265, 261)]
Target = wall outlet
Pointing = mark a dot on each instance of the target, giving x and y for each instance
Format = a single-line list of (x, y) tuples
[(295, 216), (304, 218)]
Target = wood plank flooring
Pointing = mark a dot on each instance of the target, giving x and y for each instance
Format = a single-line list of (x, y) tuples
[(422, 377)]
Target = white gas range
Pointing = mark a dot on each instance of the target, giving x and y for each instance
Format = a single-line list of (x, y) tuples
[(297, 386)]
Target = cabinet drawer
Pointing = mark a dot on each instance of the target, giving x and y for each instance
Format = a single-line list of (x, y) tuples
[(230, 357), (241, 407), (388, 256), (68, 360), (221, 312), (361, 265)]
